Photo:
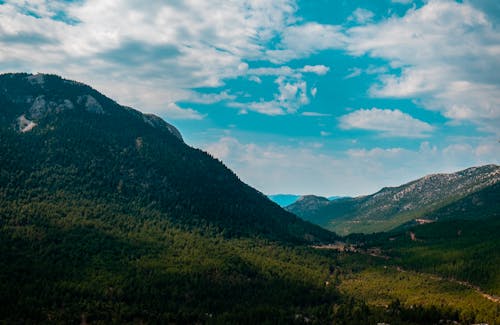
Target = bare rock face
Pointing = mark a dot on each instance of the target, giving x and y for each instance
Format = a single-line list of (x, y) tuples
[(40, 107), (90, 104), (24, 124), (158, 122)]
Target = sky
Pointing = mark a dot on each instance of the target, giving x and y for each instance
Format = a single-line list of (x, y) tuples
[(325, 97)]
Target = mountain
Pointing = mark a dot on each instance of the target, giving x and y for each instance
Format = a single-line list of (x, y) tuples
[(394, 206), (65, 136), (107, 216), (458, 241), (308, 203)]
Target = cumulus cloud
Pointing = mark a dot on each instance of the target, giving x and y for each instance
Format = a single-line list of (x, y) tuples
[(390, 122), (167, 48), (361, 16), (271, 108), (288, 71), (317, 69), (174, 112), (354, 72), (292, 90), (445, 51), (201, 98), (303, 40)]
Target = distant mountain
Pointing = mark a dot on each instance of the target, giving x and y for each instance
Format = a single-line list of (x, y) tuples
[(394, 206), (308, 203), (283, 200), (459, 240), (477, 206)]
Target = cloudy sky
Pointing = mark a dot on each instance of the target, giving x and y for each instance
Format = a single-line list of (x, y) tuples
[(331, 97)]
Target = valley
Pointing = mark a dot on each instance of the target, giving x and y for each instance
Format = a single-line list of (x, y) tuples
[(108, 217)]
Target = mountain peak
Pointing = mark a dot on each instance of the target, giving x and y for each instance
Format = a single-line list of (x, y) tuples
[(30, 100), (84, 144)]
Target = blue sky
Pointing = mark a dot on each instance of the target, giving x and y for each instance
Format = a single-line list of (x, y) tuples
[(323, 97)]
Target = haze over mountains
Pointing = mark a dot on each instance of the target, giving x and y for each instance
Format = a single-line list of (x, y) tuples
[(393, 206)]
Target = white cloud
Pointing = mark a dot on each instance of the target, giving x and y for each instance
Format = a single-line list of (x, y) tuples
[(315, 114), (174, 112), (255, 79), (303, 40), (446, 52), (153, 53), (317, 69), (361, 16), (355, 72), (273, 71), (271, 108), (287, 71), (210, 98), (292, 90), (390, 122), (292, 93)]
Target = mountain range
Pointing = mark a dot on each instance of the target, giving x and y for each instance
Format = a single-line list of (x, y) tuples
[(393, 206)]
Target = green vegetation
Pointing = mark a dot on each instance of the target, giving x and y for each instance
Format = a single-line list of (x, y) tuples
[(65, 260), (69, 259), (382, 285), (460, 249), (462, 243), (452, 262)]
